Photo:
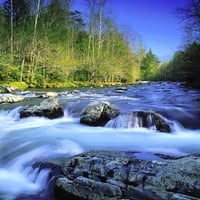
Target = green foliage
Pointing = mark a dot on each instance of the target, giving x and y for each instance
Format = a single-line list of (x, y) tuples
[(19, 85), (54, 47), (8, 69), (185, 65), (192, 63), (149, 66)]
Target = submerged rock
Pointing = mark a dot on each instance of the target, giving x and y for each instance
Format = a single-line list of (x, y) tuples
[(98, 113), (49, 108), (11, 89), (121, 89), (146, 119), (108, 175), (11, 98)]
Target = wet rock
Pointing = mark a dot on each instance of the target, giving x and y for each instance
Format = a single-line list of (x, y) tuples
[(197, 99), (98, 113), (49, 108), (154, 119), (11, 98), (121, 89), (120, 175), (47, 94)]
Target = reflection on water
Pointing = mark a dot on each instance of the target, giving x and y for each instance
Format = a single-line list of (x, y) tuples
[(25, 141)]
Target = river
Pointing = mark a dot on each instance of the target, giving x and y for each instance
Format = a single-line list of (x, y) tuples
[(35, 139)]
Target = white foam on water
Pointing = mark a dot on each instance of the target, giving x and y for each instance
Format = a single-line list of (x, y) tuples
[(18, 177)]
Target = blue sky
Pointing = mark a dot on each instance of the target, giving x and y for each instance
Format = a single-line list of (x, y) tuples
[(154, 20)]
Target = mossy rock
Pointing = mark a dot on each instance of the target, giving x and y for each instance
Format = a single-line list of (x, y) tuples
[(17, 86)]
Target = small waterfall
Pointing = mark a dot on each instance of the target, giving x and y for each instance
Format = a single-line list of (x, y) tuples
[(145, 119), (14, 113), (133, 120), (28, 181), (19, 177), (22, 175), (176, 126)]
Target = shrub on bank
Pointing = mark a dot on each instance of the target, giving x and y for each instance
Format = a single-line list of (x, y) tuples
[(19, 85)]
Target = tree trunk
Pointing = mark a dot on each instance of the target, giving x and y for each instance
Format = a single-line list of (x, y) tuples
[(36, 18), (22, 69), (11, 27)]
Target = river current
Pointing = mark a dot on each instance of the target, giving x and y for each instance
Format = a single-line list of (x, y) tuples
[(24, 142)]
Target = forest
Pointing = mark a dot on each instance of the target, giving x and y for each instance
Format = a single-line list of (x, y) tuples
[(185, 64), (47, 44)]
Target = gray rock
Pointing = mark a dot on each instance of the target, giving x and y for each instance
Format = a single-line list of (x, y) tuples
[(120, 175), (98, 113), (86, 188), (11, 98), (49, 108)]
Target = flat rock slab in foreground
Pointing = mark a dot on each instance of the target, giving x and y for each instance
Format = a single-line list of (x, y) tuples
[(106, 175)]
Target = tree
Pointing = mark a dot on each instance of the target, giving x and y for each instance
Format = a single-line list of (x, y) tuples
[(191, 66), (190, 15), (5, 32), (149, 66), (17, 9), (96, 26), (52, 44), (184, 66)]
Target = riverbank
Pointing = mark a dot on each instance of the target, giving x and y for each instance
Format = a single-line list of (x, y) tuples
[(21, 86)]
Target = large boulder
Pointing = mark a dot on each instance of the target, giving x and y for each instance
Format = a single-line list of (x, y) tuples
[(98, 175), (11, 98), (146, 119), (49, 108), (98, 113)]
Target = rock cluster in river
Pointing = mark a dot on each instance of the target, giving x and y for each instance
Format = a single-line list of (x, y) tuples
[(107, 175), (98, 113), (49, 108)]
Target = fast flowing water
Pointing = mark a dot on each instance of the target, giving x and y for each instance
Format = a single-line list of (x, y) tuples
[(26, 141)]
